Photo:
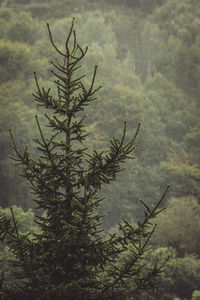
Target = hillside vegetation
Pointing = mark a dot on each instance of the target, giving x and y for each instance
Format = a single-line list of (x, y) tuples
[(148, 57)]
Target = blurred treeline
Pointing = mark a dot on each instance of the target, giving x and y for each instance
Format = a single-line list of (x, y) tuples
[(148, 57)]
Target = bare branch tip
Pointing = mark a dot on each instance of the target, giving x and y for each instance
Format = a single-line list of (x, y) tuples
[(48, 27)]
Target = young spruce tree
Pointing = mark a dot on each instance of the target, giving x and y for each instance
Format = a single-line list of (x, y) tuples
[(69, 259)]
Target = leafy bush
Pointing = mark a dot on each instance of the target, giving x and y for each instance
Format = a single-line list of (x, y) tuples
[(179, 226), (196, 295)]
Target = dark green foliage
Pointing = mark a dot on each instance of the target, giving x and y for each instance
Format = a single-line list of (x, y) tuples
[(25, 225), (69, 258)]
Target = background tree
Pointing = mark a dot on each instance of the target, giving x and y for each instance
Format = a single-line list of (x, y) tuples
[(180, 277), (179, 226)]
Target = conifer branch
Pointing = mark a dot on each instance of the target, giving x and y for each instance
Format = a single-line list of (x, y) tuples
[(69, 35), (14, 222), (74, 47), (52, 42), (40, 130)]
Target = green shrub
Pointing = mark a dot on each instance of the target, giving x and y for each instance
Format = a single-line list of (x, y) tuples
[(196, 295)]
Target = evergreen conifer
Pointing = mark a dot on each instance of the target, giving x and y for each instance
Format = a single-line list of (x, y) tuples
[(70, 259)]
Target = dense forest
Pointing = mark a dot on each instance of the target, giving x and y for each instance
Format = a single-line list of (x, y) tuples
[(148, 57)]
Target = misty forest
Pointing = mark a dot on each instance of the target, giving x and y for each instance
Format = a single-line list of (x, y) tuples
[(104, 202)]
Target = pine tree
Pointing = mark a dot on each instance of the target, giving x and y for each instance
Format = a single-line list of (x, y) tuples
[(70, 259)]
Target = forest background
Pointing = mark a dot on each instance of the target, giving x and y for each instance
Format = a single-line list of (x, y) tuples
[(148, 57)]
